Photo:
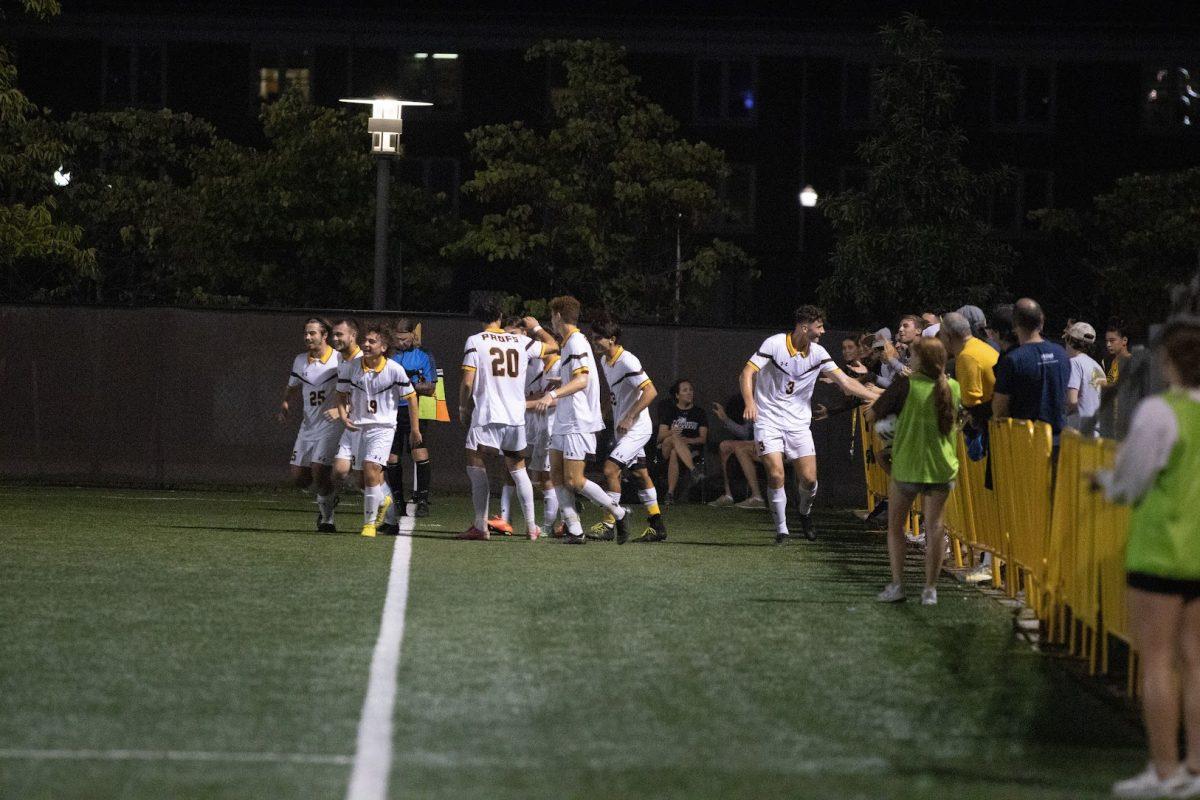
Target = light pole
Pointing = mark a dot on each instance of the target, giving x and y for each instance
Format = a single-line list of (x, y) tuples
[(678, 267), (385, 127)]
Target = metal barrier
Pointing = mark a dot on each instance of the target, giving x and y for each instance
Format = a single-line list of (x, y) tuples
[(1054, 541)]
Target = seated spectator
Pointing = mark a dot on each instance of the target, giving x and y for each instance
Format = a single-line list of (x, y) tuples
[(1086, 381), (741, 447), (682, 433)]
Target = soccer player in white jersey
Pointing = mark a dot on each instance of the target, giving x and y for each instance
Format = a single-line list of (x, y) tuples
[(576, 419), (369, 392), (492, 396), (344, 339), (313, 381), (777, 386), (632, 392)]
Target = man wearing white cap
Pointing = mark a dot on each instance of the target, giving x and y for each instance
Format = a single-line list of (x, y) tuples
[(1086, 381)]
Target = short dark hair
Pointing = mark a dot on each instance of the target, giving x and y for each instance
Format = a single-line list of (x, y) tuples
[(1117, 325), (606, 328), (917, 321), (322, 322), (673, 392), (566, 307), (512, 321), (1182, 346), (1028, 315), (487, 310), (380, 330), (349, 322), (808, 314)]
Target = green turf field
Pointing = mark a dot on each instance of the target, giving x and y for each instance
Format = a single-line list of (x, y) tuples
[(228, 647)]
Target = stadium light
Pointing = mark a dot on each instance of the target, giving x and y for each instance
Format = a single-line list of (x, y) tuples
[(808, 196), (386, 127), (61, 178)]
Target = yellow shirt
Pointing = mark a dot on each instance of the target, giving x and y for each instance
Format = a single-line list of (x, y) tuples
[(975, 371), (1114, 371)]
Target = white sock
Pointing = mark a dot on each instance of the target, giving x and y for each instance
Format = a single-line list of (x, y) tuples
[(593, 492), (806, 497), (524, 489), (389, 516), (325, 506), (506, 494), (550, 508), (372, 496), (778, 500), (566, 506), (649, 498), (479, 495)]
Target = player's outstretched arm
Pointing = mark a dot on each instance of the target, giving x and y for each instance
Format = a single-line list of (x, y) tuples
[(746, 384), (576, 384), (851, 387)]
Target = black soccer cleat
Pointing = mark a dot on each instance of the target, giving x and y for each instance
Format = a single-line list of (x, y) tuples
[(807, 528), (781, 538), (326, 527), (622, 526), (422, 508), (570, 538), (388, 529)]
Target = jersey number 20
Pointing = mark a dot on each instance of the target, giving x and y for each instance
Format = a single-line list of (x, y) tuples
[(505, 363)]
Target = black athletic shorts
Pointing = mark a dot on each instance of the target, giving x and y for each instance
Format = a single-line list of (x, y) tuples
[(400, 440), (1187, 589)]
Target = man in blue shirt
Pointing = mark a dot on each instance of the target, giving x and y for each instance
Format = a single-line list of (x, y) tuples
[(418, 363), (1031, 379)]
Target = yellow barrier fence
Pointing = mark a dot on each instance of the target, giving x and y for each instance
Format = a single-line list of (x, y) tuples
[(1052, 538)]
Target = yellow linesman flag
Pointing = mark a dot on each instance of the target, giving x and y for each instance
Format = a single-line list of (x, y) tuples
[(435, 407)]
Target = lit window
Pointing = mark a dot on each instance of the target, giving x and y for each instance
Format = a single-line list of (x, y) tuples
[(280, 71), (725, 91)]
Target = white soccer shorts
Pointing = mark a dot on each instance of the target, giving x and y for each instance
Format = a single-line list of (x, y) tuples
[(574, 446), (370, 443), (630, 447), (537, 435), (498, 436), (318, 446), (793, 444)]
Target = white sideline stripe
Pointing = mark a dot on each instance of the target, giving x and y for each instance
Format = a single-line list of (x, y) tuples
[(180, 499), (173, 755), (373, 750)]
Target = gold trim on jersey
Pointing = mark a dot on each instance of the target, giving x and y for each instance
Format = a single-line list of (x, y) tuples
[(324, 358), (576, 372), (355, 354), (791, 348), (644, 383), (368, 368), (550, 360), (494, 330), (755, 366), (612, 362), (467, 367)]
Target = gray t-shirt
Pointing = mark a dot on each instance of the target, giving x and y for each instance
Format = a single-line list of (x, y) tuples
[(1086, 376)]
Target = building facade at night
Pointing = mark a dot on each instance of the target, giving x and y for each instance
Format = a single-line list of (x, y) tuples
[(1071, 105)]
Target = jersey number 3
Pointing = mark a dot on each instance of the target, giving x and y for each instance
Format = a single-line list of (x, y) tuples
[(505, 363), (791, 387)]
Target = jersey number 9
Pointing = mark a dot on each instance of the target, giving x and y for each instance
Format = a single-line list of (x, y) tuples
[(372, 406), (505, 363)]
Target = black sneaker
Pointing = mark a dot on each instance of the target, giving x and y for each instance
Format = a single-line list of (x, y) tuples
[(326, 527), (422, 508), (878, 512), (622, 529), (570, 538), (781, 538), (806, 527), (651, 535), (388, 529), (601, 531)]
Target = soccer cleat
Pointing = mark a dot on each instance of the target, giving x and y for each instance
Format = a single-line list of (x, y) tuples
[(570, 538), (602, 531), (384, 505), (388, 529), (929, 596), (500, 525), (1147, 784), (782, 537), (473, 534), (368, 530), (535, 534), (422, 508), (892, 593), (622, 526), (806, 527), (326, 527), (723, 500), (752, 503)]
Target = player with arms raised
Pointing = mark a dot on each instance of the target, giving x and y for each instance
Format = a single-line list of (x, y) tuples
[(777, 387), (369, 392), (492, 397)]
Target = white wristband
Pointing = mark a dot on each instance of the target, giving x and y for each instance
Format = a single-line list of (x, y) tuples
[(553, 394), (537, 328)]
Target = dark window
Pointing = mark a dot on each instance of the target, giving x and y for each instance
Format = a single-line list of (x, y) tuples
[(974, 103), (1171, 98), (433, 77), (725, 91), (1023, 95), (375, 72), (133, 76), (1037, 95), (118, 75), (857, 108)]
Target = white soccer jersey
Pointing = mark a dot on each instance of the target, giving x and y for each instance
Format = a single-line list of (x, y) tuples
[(500, 362), (580, 412), (317, 378), (626, 379), (786, 377), (375, 393)]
